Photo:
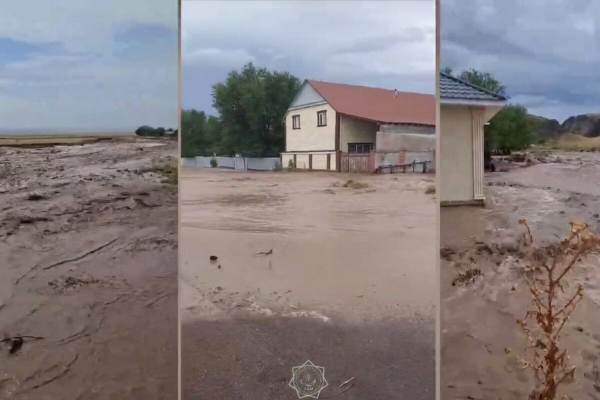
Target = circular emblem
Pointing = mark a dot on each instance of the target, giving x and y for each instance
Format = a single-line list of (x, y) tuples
[(308, 380)]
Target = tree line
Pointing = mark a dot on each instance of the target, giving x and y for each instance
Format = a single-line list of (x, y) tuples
[(146, 130), (251, 106)]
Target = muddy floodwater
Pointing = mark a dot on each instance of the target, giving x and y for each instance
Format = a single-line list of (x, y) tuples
[(335, 268), (88, 272), (478, 317)]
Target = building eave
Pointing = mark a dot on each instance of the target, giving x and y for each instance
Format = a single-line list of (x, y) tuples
[(472, 102)]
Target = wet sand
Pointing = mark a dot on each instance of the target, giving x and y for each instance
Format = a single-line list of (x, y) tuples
[(352, 263), (478, 319), (88, 238)]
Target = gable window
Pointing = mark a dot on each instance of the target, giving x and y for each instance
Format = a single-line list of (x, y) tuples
[(295, 122), (321, 118), (360, 148)]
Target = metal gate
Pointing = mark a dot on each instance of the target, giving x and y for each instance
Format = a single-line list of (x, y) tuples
[(357, 162)]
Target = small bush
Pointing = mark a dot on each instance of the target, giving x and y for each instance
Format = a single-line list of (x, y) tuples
[(213, 163), (277, 166), (168, 168), (291, 164), (546, 270)]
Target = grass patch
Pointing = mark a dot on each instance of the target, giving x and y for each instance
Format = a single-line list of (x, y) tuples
[(571, 141), (168, 168)]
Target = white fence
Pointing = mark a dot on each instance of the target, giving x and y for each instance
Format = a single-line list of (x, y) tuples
[(237, 163)]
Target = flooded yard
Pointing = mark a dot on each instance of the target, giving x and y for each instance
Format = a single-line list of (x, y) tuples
[(335, 268), (88, 272)]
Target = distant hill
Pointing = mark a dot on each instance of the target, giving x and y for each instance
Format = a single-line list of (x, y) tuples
[(543, 129), (587, 125)]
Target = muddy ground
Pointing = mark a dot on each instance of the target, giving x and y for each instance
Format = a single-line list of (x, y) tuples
[(88, 277), (479, 316), (337, 269)]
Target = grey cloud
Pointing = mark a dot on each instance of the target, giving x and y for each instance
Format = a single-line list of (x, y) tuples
[(386, 44), (546, 53)]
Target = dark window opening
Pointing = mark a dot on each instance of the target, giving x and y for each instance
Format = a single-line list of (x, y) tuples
[(295, 122), (321, 118), (360, 148)]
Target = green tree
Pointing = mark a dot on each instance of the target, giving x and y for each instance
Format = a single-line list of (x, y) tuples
[(509, 130), (484, 80), (252, 104), (193, 133), (200, 134)]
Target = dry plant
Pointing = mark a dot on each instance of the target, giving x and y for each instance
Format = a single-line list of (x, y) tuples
[(546, 270)]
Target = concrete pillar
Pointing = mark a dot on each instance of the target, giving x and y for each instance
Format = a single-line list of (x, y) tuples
[(477, 120)]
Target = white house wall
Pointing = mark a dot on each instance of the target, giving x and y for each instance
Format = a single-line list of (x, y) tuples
[(310, 136), (354, 130), (319, 160)]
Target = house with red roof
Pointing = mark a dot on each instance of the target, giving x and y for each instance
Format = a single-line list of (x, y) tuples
[(349, 128)]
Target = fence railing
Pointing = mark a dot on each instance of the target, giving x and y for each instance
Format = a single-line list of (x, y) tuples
[(237, 163)]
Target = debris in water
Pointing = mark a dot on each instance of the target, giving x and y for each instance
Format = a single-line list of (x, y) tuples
[(213, 258), (15, 345), (36, 197), (264, 253), (469, 276), (16, 342)]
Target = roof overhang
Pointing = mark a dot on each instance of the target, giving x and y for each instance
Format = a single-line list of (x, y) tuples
[(472, 103)]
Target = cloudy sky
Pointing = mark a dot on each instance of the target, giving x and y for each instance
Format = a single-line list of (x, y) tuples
[(383, 44), (88, 65), (546, 52)]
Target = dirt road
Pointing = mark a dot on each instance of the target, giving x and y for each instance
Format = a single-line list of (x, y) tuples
[(478, 318), (88, 275), (334, 268)]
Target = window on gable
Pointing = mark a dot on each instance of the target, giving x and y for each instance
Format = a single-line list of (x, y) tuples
[(295, 122), (321, 118)]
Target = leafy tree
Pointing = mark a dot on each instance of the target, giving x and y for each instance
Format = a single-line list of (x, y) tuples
[(144, 130), (193, 137), (484, 80), (252, 104), (509, 130)]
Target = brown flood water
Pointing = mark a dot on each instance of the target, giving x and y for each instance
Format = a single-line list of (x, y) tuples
[(88, 272), (357, 260), (478, 319)]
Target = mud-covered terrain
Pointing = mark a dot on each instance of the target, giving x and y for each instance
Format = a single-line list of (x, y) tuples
[(483, 287), (338, 269), (88, 271)]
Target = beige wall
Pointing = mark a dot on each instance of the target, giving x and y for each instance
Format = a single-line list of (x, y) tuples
[(456, 150), (456, 154), (405, 141), (310, 136), (353, 130), (319, 160)]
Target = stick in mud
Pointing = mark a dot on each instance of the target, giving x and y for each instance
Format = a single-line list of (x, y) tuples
[(83, 255)]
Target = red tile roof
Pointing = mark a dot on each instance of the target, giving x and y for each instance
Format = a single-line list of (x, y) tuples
[(377, 104)]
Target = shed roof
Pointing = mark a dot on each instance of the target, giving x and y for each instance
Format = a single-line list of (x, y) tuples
[(379, 105), (453, 88)]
